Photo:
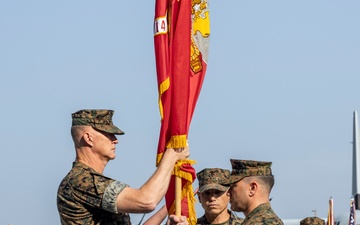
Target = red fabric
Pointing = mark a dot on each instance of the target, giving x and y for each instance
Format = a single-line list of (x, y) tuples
[(172, 41), (172, 61)]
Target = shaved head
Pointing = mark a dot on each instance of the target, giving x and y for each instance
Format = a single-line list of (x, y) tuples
[(77, 133)]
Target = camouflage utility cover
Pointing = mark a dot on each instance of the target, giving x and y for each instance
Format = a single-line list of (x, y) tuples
[(212, 178), (234, 220), (100, 119), (87, 197), (312, 221), (263, 214), (247, 168)]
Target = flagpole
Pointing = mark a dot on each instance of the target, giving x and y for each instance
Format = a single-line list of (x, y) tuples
[(177, 196)]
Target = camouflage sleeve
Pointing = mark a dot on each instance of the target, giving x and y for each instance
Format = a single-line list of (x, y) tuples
[(110, 195)]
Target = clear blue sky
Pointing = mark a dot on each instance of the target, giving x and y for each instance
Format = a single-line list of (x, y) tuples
[(283, 81)]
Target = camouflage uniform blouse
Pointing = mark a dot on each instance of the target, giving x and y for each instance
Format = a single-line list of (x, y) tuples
[(87, 197), (263, 214), (234, 220)]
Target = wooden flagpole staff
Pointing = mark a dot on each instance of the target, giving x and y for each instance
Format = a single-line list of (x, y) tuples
[(177, 196)]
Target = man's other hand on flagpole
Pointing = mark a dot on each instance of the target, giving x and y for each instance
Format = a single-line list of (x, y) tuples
[(174, 220)]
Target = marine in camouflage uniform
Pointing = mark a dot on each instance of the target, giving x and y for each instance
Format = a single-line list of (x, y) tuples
[(84, 195), (210, 184), (312, 221), (260, 171)]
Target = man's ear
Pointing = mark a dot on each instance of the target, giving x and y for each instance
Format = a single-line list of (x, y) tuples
[(253, 186), (88, 138)]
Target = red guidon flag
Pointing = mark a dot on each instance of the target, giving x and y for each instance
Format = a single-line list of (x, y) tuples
[(181, 40)]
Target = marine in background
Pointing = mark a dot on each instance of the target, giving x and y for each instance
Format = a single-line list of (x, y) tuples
[(312, 221), (214, 198), (250, 186)]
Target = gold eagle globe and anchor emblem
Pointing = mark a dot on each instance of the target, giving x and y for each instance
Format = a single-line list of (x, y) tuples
[(200, 35)]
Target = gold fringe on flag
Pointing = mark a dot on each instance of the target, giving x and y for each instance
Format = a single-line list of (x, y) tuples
[(177, 141)]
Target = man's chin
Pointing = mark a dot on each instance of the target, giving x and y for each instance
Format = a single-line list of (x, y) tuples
[(112, 157)]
